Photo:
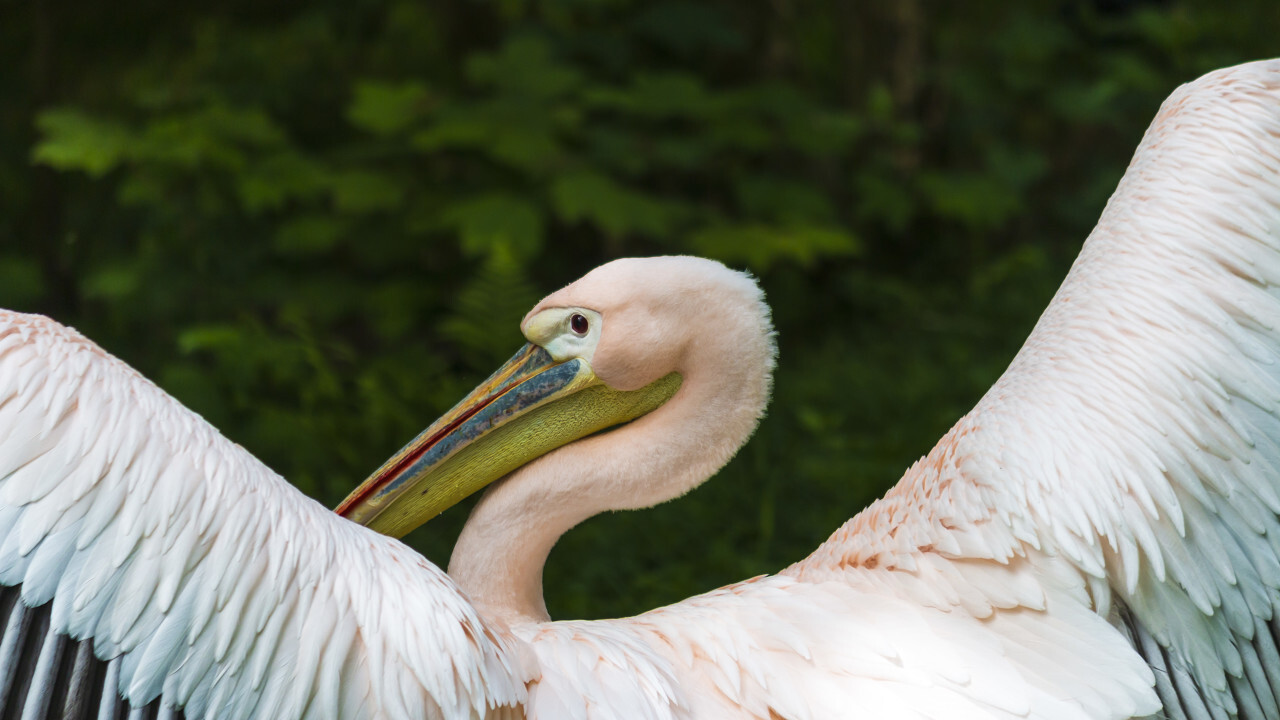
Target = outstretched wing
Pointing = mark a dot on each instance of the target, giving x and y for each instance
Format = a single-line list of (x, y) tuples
[(147, 561), (1137, 433)]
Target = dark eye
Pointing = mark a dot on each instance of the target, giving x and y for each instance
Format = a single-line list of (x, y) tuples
[(578, 323)]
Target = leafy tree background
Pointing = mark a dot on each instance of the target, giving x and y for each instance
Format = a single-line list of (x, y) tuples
[(318, 223)]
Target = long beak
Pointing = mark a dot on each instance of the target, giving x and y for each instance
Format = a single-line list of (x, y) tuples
[(529, 407)]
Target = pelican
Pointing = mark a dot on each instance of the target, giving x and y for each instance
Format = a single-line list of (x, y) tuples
[(1098, 538)]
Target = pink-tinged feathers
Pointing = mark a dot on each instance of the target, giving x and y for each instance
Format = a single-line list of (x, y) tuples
[(1137, 433), (211, 579)]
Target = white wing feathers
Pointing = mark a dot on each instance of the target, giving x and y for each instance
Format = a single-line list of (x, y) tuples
[(1137, 433), (860, 646), (219, 588), (1153, 377)]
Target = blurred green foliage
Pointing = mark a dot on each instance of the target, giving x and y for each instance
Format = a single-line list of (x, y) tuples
[(318, 224)]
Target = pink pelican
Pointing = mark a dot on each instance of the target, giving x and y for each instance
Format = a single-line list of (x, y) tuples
[(1098, 538)]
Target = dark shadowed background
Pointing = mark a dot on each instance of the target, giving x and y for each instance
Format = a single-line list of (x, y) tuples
[(319, 223)]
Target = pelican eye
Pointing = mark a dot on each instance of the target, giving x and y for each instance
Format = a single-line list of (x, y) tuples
[(578, 324)]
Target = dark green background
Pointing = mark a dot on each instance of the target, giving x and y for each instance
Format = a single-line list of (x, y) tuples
[(318, 223)]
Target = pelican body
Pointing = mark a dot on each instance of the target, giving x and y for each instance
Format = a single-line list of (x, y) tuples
[(1098, 538)]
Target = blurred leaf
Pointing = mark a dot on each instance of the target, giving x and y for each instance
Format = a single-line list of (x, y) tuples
[(487, 313), (73, 140), (216, 135), (385, 108), (687, 26), (515, 133), (666, 95), (276, 179), (210, 337), (195, 388), (976, 200), (524, 66), (783, 201), (824, 134), (763, 246), (1010, 271), (308, 235), (364, 191), (882, 199), (614, 208), (21, 281), (496, 222), (453, 129), (392, 309), (112, 282)]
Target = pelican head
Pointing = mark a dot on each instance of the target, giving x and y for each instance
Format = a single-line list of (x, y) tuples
[(670, 356)]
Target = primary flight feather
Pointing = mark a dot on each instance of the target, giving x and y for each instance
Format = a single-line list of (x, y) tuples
[(1098, 538)]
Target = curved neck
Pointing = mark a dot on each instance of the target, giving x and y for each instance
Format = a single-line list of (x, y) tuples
[(500, 554)]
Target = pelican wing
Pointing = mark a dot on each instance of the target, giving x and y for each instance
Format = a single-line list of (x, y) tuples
[(1137, 433), (866, 645), (144, 559)]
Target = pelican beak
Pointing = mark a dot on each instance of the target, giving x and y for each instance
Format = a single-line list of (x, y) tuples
[(529, 407)]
